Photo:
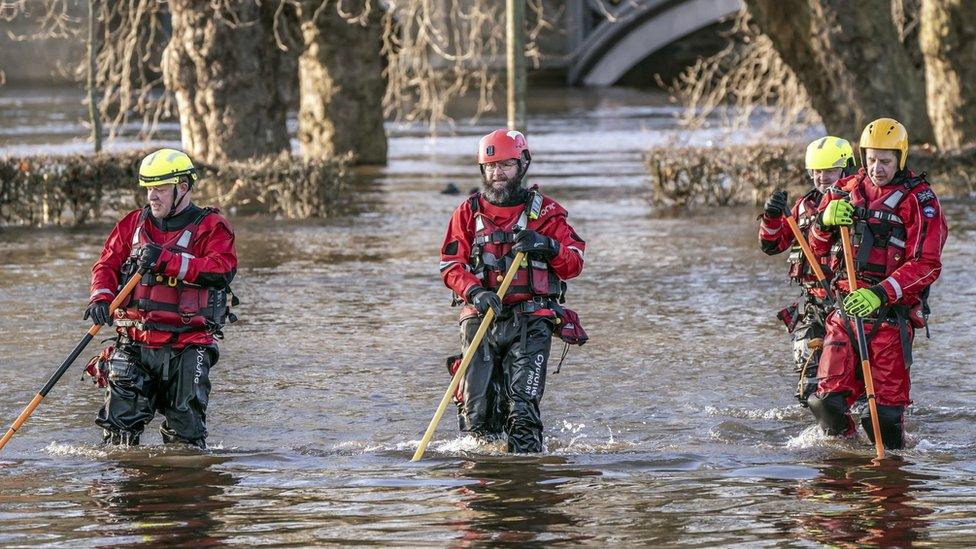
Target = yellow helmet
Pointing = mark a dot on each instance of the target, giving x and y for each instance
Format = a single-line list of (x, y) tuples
[(828, 153), (886, 133), (165, 167)]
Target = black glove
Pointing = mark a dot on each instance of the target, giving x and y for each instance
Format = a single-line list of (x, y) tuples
[(535, 244), (148, 259), (775, 205), (483, 299), (98, 312)]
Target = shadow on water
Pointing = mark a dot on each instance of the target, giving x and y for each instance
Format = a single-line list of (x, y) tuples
[(870, 505), (168, 499), (517, 501)]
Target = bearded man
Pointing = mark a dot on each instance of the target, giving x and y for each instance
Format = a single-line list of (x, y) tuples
[(502, 388)]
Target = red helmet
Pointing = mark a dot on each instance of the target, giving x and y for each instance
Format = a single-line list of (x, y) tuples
[(502, 145)]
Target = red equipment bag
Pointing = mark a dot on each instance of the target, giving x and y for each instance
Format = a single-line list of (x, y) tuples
[(790, 316), (570, 330), (453, 363), (97, 367)]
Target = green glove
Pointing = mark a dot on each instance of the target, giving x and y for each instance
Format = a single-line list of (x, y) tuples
[(865, 301), (838, 212)]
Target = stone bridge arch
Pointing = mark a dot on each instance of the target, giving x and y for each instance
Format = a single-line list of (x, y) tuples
[(611, 48)]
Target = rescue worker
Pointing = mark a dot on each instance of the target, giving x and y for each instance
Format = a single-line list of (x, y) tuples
[(898, 233), (503, 386), (827, 160), (167, 328)]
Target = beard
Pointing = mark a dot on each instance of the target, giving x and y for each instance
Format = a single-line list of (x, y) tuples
[(510, 194)]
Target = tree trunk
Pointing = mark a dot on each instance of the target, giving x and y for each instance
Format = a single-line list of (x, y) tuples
[(94, 117), (223, 66), (850, 60), (341, 83), (948, 39), (515, 63)]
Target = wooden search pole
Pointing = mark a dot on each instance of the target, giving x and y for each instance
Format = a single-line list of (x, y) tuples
[(466, 359), (862, 343), (32, 405)]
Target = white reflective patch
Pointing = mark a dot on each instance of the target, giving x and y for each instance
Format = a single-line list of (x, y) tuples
[(479, 225), (184, 266), (802, 209), (536, 206), (523, 222), (895, 286), (184, 241), (446, 264), (135, 236), (538, 264), (101, 291), (771, 232), (893, 199), (577, 250), (897, 242)]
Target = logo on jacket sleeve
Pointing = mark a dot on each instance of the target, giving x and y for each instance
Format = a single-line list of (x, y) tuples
[(928, 211)]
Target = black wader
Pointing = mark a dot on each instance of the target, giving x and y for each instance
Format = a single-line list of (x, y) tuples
[(143, 380), (503, 385)]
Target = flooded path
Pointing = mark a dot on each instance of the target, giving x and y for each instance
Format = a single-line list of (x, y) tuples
[(674, 425)]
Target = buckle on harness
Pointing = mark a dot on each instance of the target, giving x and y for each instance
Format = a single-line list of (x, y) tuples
[(172, 281), (532, 305)]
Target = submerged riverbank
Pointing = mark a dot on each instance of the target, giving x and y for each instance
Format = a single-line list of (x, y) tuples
[(78, 189), (748, 174), (75, 189)]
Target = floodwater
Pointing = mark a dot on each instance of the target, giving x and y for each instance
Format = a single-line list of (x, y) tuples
[(674, 425)]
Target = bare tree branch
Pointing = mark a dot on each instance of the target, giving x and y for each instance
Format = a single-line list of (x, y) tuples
[(439, 51), (746, 77)]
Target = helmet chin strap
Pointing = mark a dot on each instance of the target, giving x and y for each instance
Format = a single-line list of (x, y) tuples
[(176, 200), (523, 167)]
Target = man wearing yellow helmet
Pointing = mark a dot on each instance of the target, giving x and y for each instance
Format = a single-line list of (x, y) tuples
[(827, 160), (898, 234), (167, 328)]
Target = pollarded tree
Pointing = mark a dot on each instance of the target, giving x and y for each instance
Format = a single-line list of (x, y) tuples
[(341, 82), (223, 65), (948, 40), (851, 60)]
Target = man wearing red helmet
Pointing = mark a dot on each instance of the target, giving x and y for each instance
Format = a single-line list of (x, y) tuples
[(503, 385)]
